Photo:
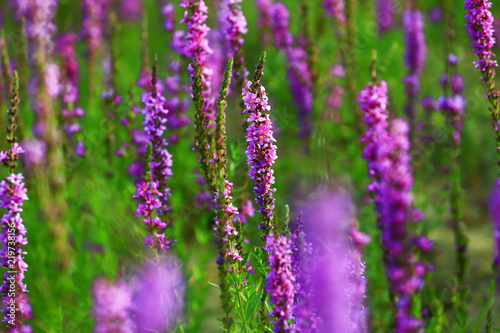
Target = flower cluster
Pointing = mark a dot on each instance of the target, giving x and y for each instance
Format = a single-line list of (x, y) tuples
[(157, 293), (481, 31), (416, 51), (385, 14), (453, 103), (154, 126), (280, 282), (197, 48), (280, 27), (305, 312), (261, 150), (387, 152), (112, 307), (147, 192), (235, 28), (71, 112), (298, 69), (335, 263), (12, 196), (225, 232), (131, 9), (404, 271), (93, 23), (373, 103), (335, 9)]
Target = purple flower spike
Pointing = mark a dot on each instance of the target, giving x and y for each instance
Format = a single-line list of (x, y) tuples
[(71, 112), (335, 9), (131, 9), (494, 206), (481, 31), (93, 24), (280, 282), (261, 150), (416, 51), (158, 296), (197, 48), (281, 30), (385, 14), (335, 264), (112, 307), (235, 28)]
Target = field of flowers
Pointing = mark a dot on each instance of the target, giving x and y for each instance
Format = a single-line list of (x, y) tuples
[(250, 166)]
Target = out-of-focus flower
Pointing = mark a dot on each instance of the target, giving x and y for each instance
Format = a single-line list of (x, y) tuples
[(112, 307), (158, 296)]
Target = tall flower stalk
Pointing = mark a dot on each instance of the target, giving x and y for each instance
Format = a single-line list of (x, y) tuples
[(152, 190), (16, 307), (71, 111), (389, 160), (480, 24), (51, 176), (452, 104), (235, 28), (298, 67), (196, 47), (280, 282), (261, 150), (416, 51)]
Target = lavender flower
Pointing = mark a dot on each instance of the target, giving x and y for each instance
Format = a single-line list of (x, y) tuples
[(385, 14), (481, 31), (416, 51), (494, 207), (335, 9), (158, 296), (264, 21), (280, 282), (261, 150), (112, 307)]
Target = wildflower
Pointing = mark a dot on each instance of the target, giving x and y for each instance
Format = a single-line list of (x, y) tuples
[(112, 307), (261, 150), (335, 9), (280, 282), (158, 296), (481, 31)]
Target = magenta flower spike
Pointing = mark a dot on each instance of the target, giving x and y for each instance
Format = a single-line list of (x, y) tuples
[(93, 25), (481, 31), (280, 282), (13, 193), (153, 190), (261, 150), (112, 307), (235, 27), (197, 48)]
